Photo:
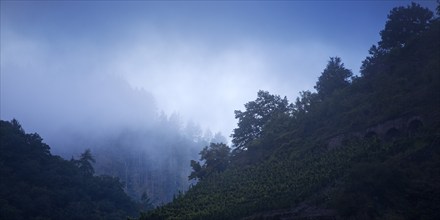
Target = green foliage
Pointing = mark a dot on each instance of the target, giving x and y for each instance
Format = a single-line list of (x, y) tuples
[(198, 172), (256, 115), (37, 185), (334, 77), (357, 178), (85, 163), (216, 158), (401, 187), (304, 103), (403, 25)]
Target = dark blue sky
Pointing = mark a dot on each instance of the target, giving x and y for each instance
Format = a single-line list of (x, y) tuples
[(201, 59)]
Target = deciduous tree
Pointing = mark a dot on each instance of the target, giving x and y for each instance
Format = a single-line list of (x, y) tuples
[(216, 158), (257, 114), (404, 24)]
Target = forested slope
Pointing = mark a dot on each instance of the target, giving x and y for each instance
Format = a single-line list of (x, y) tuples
[(362, 147), (37, 185)]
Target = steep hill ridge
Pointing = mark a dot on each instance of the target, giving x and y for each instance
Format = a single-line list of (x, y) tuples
[(359, 148)]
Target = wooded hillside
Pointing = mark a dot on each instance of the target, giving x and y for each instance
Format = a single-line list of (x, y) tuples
[(360, 147), (34, 184)]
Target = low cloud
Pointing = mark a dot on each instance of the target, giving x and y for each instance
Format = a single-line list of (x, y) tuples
[(79, 85)]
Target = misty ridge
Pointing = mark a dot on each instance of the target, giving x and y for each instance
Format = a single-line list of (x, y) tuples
[(124, 129), (147, 115)]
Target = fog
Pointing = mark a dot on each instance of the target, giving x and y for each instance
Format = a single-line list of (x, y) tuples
[(119, 85), (152, 76)]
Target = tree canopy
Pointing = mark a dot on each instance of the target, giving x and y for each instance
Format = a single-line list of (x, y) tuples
[(257, 114), (334, 77), (216, 159), (84, 163), (37, 185), (404, 24)]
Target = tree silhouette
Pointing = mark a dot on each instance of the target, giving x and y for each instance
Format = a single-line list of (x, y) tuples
[(334, 77), (85, 162), (404, 24), (216, 158), (257, 114), (38, 185)]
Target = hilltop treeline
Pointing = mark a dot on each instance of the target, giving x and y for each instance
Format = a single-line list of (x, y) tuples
[(34, 184), (360, 147)]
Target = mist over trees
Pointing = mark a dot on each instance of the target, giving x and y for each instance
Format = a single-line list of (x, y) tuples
[(152, 160), (122, 126), (359, 147), (148, 150)]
